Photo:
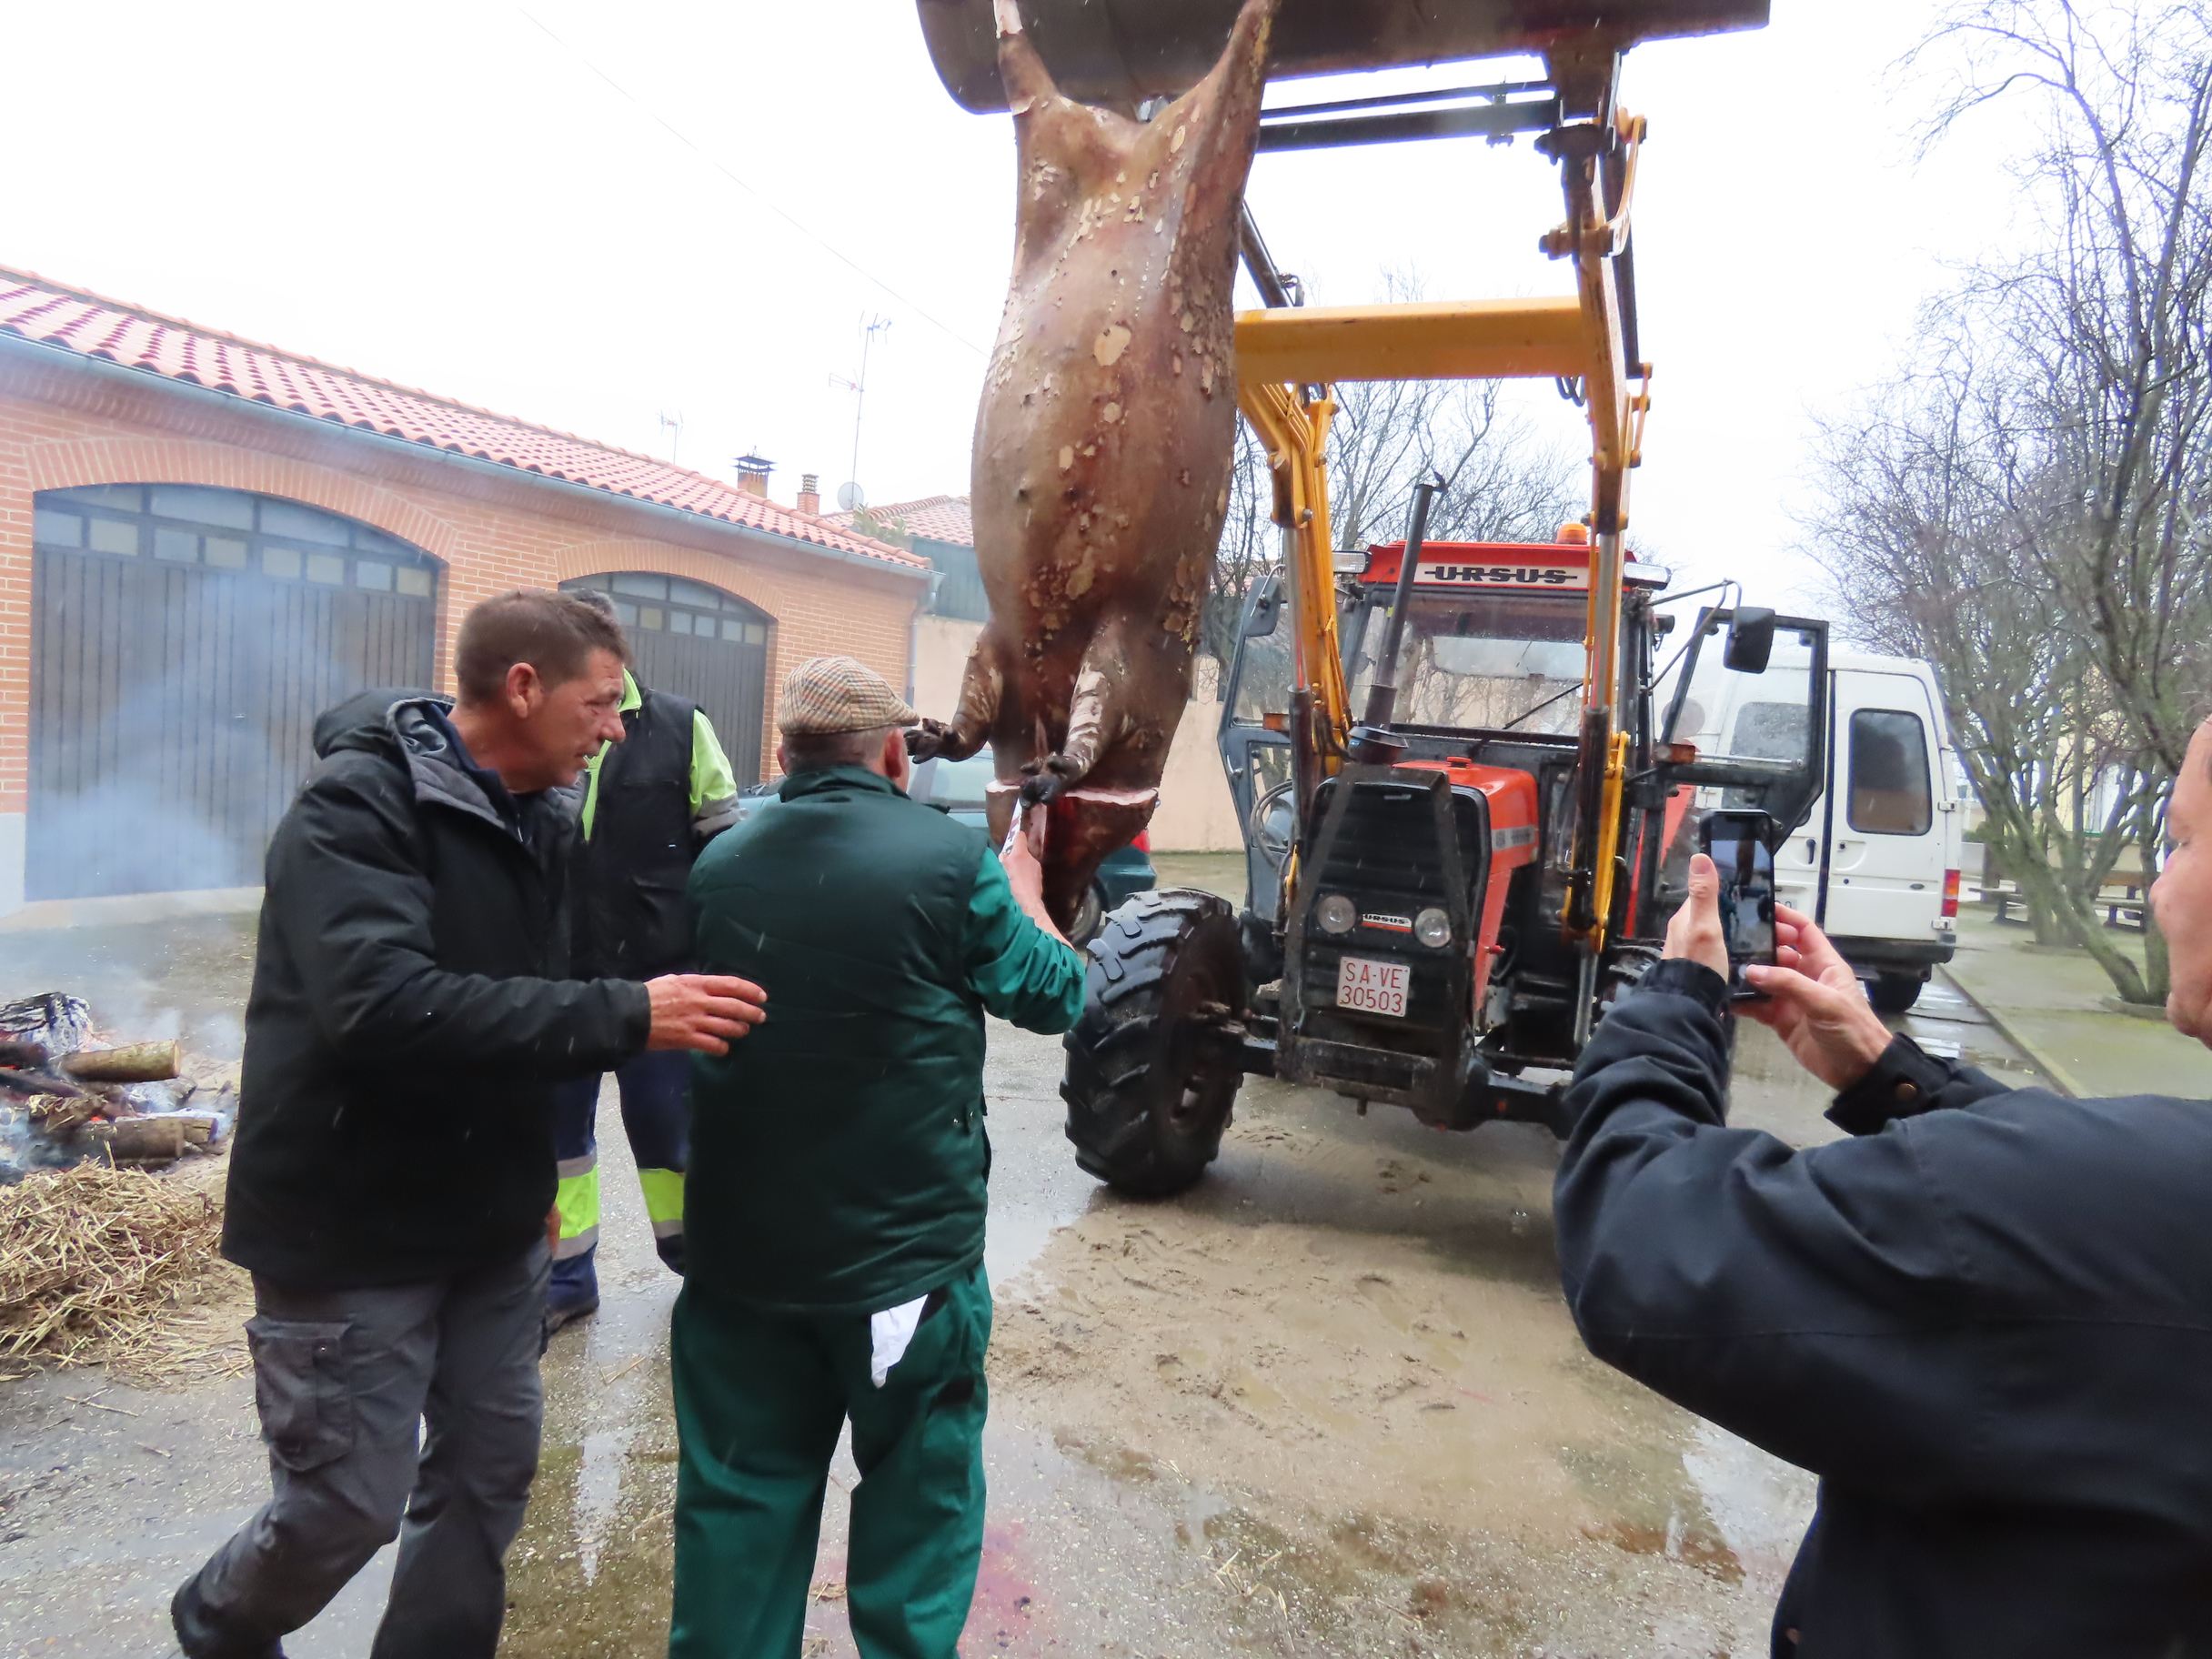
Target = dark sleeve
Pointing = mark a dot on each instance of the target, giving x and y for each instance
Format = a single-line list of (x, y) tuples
[(1810, 1300), (351, 900), (1905, 1082)]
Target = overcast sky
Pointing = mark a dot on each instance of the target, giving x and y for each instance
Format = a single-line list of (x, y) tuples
[(455, 197)]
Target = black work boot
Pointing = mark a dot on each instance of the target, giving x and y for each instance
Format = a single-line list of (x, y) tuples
[(188, 1617)]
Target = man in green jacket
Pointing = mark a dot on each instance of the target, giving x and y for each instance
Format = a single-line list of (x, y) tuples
[(836, 1200)]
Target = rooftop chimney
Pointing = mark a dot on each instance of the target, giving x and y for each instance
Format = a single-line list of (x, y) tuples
[(752, 473), (810, 493)]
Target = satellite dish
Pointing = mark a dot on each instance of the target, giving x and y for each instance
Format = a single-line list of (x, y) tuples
[(851, 496)]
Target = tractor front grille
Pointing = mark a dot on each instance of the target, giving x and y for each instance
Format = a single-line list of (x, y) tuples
[(1386, 857)]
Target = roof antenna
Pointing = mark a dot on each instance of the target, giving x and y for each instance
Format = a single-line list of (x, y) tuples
[(850, 495)]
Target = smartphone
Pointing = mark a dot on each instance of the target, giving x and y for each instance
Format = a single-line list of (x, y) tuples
[(1740, 844)]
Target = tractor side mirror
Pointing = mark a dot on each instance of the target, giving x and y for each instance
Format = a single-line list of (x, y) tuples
[(1265, 610), (1751, 640)]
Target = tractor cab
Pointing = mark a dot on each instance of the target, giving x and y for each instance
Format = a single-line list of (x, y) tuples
[(1493, 637), (1492, 649)]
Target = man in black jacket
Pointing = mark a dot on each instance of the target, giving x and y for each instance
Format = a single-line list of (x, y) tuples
[(1984, 1319), (410, 1017)]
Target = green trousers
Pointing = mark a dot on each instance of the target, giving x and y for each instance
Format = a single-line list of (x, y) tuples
[(760, 1398)]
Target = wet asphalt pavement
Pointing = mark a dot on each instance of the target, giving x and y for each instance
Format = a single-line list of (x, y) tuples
[(1329, 1403)]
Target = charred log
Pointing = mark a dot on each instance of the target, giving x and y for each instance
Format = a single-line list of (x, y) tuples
[(137, 1063), (141, 1140)]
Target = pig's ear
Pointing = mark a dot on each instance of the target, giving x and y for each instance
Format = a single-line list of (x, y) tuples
[(1212, 130), (1028, 83)]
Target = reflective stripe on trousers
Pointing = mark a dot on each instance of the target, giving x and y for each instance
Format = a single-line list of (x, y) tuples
[(577, 1196), (654, 1090), (664, 1200)]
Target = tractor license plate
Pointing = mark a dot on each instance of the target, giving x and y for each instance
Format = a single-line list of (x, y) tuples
[(1369, 986)]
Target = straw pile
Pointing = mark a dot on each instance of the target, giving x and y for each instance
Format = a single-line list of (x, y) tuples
[(95, 1262)]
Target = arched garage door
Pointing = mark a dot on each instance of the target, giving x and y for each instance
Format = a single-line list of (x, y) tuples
[(699, 643), (184, 641)]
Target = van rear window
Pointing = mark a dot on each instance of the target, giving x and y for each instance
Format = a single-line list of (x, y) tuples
[(1892, 793)]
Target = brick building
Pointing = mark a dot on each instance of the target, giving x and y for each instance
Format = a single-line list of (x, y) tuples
[(205, 541)]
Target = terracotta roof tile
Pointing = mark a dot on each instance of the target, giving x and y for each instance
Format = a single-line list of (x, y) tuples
[(138, 338), (932, 518)]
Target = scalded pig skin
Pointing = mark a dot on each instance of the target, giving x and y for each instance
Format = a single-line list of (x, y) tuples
[(1103, 444)]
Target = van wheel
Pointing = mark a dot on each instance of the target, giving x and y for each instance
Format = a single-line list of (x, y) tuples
[(1147, 1097), (1089, 916), (1894, 993)]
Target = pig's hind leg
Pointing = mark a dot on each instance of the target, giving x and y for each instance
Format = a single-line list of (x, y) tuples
[(1098, 717)]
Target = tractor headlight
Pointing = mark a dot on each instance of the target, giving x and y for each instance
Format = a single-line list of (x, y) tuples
[(1335, 913), (1432, 928)]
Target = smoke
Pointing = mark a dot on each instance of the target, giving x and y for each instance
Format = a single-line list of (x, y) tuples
[(175, 792), (175, 712)]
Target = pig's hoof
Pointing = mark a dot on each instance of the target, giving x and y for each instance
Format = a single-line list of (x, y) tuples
[(927, 741), (1045, 781)]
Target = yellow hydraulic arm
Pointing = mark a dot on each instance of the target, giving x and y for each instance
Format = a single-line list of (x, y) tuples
[(1288, 357)]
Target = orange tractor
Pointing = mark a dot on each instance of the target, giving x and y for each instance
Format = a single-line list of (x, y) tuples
[(1447, 886)]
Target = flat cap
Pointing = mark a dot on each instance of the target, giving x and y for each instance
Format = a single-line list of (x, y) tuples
[(825, 695)]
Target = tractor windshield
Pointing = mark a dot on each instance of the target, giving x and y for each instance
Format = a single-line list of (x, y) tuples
[(1480, 659)]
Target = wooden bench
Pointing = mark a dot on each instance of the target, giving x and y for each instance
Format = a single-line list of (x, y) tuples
[(2121, 898), (2126, 910)]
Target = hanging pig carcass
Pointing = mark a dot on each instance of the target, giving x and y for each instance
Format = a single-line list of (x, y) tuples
[(1103, 446)]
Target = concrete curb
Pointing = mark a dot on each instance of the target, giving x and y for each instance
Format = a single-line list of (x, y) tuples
[(2050, 1068)]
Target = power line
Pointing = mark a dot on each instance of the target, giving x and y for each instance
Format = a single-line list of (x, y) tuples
[(811, 235)]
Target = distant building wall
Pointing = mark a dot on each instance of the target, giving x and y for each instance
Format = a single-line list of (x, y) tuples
[(941, 645)]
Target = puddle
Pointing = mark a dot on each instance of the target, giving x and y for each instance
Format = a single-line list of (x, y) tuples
[(599, 1485), (1017, 1236), (1676, 1542), (1758, 1504), (1710, 1501)]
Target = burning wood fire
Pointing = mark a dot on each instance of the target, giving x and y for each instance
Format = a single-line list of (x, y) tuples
[(67, 1098)]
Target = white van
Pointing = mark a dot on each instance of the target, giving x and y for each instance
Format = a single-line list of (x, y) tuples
[(1877, 862)]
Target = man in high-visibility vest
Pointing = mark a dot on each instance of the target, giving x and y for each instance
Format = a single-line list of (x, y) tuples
[(649, 803)]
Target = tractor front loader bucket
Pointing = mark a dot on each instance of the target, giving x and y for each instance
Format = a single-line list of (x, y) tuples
[(1123, 52)]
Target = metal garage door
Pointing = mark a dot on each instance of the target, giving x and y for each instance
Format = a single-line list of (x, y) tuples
[(184, 641), (699, 643)]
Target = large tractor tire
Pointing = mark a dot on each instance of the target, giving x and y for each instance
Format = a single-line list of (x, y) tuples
[(1148, 1096)]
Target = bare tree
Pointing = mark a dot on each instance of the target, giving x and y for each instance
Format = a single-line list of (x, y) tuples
[(2028, 509), (2108, 320), (1914, 529), (1249, 549), (2092, 400)]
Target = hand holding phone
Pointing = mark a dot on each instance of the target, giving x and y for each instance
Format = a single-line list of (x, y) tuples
[(1741, 846)]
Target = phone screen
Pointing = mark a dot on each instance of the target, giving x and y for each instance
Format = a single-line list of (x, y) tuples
[(1746, 867)]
